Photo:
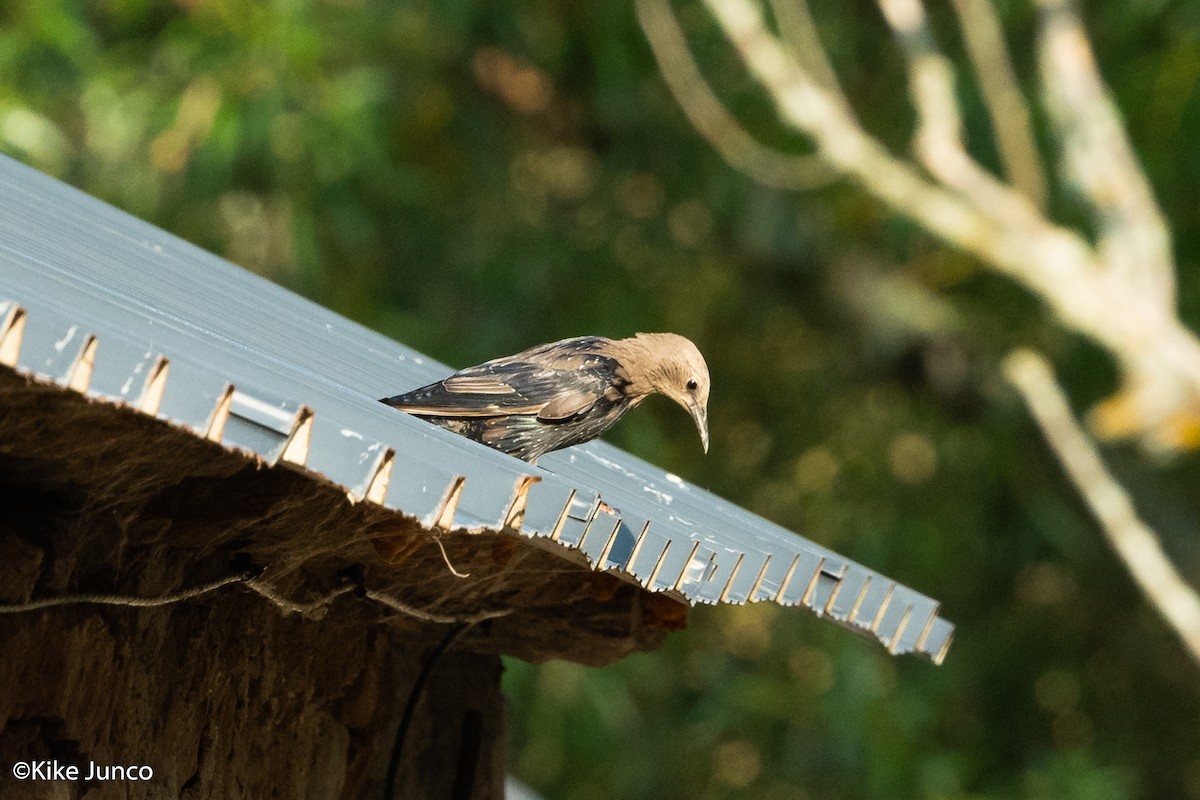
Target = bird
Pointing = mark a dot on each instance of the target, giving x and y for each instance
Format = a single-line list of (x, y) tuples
[(563, 393)]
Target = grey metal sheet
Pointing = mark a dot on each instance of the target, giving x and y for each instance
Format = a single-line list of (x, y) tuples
[(599, 537), (579, 514), (647, 554), (190, 395), (699, 570), (752, 570), (121, 371), (81, 268), (346, 456), (821, 592), (545, 504), (870, 602), (730, 577), (804, 571), (896, 618), (846, 595), (259, 422), (937, 640), (681, 502), (419, 487), (485, 503), (677, 563), (52, 343), (627, 536)]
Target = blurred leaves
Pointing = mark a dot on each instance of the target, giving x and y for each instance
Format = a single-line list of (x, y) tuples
[(473, 178)]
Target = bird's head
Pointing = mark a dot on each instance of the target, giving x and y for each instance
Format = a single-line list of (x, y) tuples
[(671, 365)]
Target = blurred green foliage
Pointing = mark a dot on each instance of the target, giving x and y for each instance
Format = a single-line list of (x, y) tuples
[(473, 178)]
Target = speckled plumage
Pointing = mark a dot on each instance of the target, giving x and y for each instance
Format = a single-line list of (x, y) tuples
[(563, 393)]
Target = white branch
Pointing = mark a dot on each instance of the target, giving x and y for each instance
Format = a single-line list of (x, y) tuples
[(1119, 293), (1133, 540), (974, 211), (1006, 106), (1097, 155), (799, 32), (710, 117), (939, 142)]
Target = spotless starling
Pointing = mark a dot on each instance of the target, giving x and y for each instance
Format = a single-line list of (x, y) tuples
[(563, 393)]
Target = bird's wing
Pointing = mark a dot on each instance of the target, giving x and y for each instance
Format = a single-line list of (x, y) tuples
[(554, 382), (568, 404), (477, 384)]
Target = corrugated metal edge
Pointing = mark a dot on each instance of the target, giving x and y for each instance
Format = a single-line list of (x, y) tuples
[(50, 347)]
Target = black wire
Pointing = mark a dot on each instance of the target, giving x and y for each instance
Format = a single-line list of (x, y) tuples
[(410, 706)]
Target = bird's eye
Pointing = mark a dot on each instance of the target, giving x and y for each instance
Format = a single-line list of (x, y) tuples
[(691, 385)]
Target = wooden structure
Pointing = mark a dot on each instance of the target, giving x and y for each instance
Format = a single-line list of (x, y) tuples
[(224, 561)]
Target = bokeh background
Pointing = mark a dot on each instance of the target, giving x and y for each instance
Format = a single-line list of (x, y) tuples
[(472, 178)]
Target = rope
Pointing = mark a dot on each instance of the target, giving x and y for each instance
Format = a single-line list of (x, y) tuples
[(123, 600), (263, 589)]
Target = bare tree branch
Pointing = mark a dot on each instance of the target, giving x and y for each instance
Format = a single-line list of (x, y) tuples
[(1033, 251), (931, 83), (710, 117), (1133, 540), (811, 109), (1006, 106), (799, 32), (1097, 155), (976, 212), (1120, 292), (939, 141)]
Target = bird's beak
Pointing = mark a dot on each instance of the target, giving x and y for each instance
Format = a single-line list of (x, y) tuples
[(700, 414)]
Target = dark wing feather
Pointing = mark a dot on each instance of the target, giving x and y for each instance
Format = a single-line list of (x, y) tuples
[(553, 382)]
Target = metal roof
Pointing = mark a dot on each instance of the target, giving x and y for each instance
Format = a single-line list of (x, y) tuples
[(98, 301)]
